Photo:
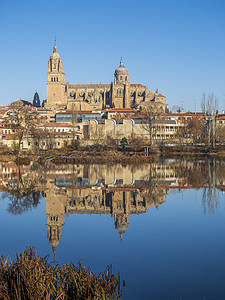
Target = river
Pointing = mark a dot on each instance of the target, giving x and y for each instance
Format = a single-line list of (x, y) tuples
[(160, 225)]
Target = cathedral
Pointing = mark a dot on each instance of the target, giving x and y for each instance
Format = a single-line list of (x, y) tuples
[(120, 93)]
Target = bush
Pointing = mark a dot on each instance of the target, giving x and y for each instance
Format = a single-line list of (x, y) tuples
[(75, 144)]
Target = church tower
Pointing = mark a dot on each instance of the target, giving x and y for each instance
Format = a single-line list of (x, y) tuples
[(36, 100), (56, 79), (120, 87)]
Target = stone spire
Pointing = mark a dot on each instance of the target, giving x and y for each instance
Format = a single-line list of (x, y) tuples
[(55, 47), (121, 62)]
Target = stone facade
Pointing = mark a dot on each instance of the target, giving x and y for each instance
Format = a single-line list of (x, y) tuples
[(120, 93), (117, 129)]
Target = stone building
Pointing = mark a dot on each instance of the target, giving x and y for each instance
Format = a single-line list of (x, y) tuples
[(120, 93), (36, 100)]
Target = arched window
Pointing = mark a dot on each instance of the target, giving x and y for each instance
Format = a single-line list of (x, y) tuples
[(125, 78), (57, 79), (52, 79), (121, 77)]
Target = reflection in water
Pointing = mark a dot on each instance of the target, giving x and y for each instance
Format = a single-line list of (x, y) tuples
[(117, 190)]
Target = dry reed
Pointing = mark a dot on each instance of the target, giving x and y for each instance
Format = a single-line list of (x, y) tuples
[(31, 277)]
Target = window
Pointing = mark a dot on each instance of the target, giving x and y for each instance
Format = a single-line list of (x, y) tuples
[(125, 78), (28, 143), (52, 79), (43, 143), (57, 79), (121, 77), (58, 143), (3, 137)]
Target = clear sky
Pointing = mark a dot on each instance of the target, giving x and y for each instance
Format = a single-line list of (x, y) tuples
[(177, 46)]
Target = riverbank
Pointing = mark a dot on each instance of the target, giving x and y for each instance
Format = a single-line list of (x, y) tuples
[(125, 155), (30, 276)]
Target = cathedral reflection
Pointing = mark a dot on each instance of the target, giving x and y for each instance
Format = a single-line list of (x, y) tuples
[(117, 190)]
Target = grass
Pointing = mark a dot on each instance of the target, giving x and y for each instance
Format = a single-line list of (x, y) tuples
[(30, 276)]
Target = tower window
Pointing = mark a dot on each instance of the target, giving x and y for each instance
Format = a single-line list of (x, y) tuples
[(121, 77), (52, 79), (125, 78)]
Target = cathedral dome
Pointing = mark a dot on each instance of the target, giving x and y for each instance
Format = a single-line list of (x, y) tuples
[(121, 68)]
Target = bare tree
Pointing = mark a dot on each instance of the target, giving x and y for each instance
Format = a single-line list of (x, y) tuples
[(43, 138), (196, 128), (136, 142), (209, 108), (149, 121), (24, 118), (74, 142)]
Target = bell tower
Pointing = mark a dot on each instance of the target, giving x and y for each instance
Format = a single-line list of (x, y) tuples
[(56, 79)]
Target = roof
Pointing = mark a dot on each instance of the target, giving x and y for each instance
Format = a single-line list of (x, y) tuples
[(165, 122), (92, 85), (120, 110), (59, 124), (43, 109), (184, 114), (78, 112), (24, 102), (137, 84), (121, 67), (160, 95)]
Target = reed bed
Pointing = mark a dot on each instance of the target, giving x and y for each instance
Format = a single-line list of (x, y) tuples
[(32, 277)]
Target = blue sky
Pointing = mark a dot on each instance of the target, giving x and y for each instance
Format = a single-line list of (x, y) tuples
[(177, 46)]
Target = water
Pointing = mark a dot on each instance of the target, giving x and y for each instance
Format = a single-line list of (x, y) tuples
[(160, 225)]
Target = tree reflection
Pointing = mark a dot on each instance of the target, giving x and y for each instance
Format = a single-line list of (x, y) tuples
[(19, 205), (210, 198), (22, 192)]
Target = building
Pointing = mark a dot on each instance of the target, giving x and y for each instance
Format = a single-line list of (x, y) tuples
[(120, 93), (36, 100)]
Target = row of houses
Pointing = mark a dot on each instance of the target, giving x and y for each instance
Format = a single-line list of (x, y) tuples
[(57, 128)]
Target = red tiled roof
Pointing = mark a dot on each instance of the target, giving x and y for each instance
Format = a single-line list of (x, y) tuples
[(43, 109), (120, 110), (78, 112), (137, 84), (24, 102), (184, 114), (58, 125)]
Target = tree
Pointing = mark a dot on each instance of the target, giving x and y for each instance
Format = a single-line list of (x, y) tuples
[(220, 133), (197, 129), (148, 121), (181, 134), (123, 142), (74, 143), (24, 118), (136, 142), (209, 108), (43, 138)]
